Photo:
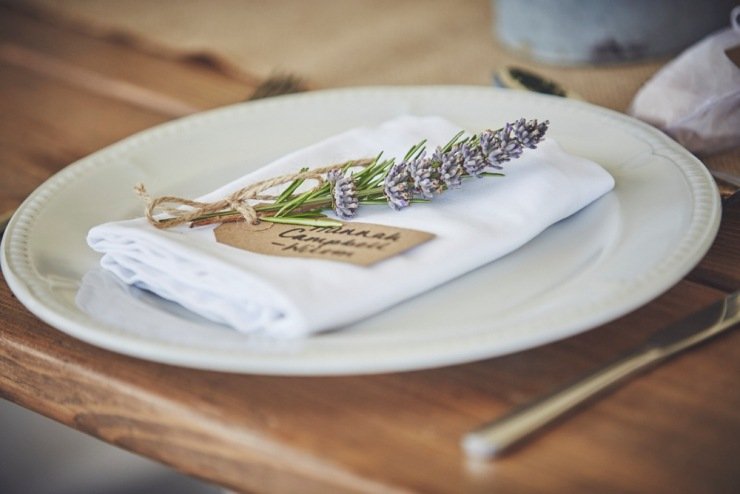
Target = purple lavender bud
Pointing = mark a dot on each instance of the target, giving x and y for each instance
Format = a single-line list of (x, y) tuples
[(474, 162), (510, 143), (530, 133), (344, 193), (420, 171), (501, 146), (486, 142), (398, 186), (451, 167), (490, 148), (424, 173)]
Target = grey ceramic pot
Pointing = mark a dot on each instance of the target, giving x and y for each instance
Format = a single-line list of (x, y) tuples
[(571, 32)]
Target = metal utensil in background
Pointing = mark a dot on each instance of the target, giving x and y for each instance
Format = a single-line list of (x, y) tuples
[(728, 185), (502, 434), (524, 79), (518, 78), (278, 85)]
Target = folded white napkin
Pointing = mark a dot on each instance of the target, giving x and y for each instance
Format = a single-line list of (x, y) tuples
[(484, 219)]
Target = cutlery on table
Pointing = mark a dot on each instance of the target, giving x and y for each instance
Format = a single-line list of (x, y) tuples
[(729, 186), (278, 85), (524, 79), (512, 429)]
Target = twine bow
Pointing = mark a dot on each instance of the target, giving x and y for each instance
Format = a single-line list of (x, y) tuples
[(180, 210)]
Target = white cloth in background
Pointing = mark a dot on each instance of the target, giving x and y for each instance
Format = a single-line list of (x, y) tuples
[(696, 97), (285, 297)]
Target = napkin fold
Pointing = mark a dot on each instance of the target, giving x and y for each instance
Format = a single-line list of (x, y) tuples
[(287, 297)]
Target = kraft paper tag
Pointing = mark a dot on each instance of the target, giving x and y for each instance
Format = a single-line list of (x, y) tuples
[(356, 243)]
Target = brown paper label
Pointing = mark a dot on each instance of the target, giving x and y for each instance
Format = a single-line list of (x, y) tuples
[(356, 243)]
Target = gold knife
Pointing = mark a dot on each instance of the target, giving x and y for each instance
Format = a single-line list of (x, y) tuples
[(500, 435)]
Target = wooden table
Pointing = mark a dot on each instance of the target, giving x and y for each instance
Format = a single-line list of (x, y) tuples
[(675, 429)]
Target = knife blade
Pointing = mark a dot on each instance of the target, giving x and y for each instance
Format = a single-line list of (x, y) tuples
[(501, 435)]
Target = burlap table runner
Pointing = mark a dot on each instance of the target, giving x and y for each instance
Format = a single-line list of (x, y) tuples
[(348, 43)]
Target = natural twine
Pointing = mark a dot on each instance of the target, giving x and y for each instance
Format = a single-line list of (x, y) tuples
[(182, 210)]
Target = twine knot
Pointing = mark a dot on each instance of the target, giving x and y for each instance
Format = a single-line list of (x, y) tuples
[(169, 211)]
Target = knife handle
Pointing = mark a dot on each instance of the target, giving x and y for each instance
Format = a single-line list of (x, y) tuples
[(502, 434)]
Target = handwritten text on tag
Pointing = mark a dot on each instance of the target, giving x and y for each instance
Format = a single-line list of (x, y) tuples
[(356, 243)]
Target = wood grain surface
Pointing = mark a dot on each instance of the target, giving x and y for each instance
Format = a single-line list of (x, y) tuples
[(675, 429)]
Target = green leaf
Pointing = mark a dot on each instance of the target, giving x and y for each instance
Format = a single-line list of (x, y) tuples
[(291, 188), (295, 220), (376, 202), (299, 200), (416, 148), (452, 141)]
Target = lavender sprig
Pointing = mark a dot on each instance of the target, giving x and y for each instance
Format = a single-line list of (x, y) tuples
[(418, 177), (422, 177)]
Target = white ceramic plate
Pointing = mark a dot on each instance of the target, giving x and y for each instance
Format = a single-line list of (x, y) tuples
[(613, 256)]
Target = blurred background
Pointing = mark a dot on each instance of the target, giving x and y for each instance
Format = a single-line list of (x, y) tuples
[(347, 43), (40, 456)]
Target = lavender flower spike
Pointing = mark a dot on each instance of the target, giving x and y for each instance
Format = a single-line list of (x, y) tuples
[(451, 167), (398, 186), (500, 146), (473, 160), (397, 183), (425, 175), (530, 133), (344, 194)]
